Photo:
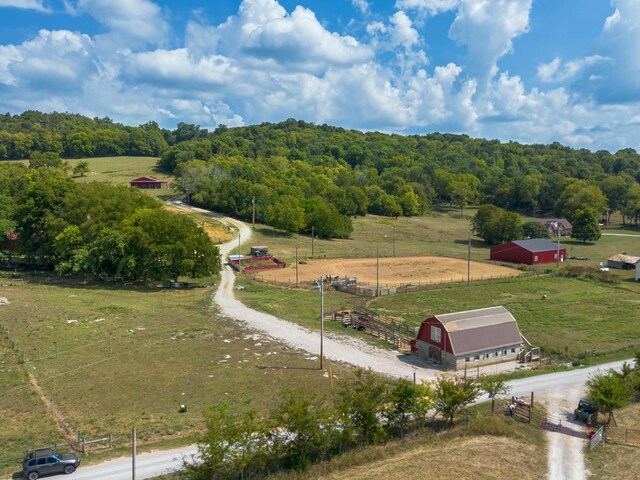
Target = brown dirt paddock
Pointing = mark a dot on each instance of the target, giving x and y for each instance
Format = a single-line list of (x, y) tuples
[(392, 271)]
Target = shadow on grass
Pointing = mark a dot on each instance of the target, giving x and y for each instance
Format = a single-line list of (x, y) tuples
[(278, 367), (270, 232)]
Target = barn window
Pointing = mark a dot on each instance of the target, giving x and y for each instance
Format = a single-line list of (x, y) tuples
[(513, 350), (504, 352), (435, 334), (495, 354), (535, 258), (466, 359), (486, 355), (477, 357), (555, 256)]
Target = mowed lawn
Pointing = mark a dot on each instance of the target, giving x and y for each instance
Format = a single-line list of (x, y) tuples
[(168, 347), (575, 315)]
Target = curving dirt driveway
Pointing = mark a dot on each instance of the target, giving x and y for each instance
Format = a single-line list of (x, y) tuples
[(560, 392)]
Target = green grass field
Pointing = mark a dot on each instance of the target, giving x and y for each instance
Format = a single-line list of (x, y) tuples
[(121, 170), (168, 347)]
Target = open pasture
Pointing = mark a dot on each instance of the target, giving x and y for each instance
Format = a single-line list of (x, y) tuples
[(111, 356), (389, 271)]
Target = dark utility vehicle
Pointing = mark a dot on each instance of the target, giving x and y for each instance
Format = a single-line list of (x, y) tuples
[(47, 461), (586, 411)]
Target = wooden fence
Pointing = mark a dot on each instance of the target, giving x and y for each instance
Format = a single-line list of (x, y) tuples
[(622, 436), (395, 331)]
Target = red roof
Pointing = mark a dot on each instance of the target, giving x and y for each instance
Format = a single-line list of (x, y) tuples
[(145, 179)]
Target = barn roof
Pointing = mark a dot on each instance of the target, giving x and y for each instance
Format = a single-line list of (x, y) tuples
[(629, 259), (145, 179), (480, 330), (535, 245)]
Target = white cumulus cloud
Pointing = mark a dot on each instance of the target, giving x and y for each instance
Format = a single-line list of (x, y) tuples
[(132, 23), (487, 29), (26, 5), (556, 71)]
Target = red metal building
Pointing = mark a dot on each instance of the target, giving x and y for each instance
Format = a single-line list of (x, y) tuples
[(146, 183), (468, 339), (528, 252)]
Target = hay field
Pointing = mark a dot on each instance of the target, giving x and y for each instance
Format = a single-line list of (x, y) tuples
[(391, 271)]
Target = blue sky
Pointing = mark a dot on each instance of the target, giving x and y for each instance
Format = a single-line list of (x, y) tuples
[(533, 71)]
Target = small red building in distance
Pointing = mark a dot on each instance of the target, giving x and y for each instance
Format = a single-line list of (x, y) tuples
[(147, 183), (528, 252)]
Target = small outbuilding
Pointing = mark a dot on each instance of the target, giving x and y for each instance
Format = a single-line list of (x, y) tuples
[(147, 183), (623, 262), (528, 252), (468, 339)]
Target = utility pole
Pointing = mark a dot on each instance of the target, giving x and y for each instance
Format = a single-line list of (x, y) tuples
[(394, 241), (321, 323), (253, 212), (296, 267), (133, 453), (469, 261), (377, 272), (557, 225), (313, 236)]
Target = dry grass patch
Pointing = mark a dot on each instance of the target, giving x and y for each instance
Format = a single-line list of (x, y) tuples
[(618, 462), (390, 271)]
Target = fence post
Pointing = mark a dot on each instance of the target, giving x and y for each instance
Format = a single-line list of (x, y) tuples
[(109, 440)]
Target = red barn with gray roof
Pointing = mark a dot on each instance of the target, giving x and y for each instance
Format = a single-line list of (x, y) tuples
[(528, 252), (476, 337)]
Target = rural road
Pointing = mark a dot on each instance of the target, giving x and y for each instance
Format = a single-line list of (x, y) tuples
[(559, 390), (148, 465)]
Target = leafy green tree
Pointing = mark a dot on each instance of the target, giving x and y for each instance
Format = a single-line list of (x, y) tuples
[(234, 442), (608, 391), (585, 226), (48, 159), (509, 227), (494, 387), (495, 225), (170, 245), (81, 168), (534, 230), (615, 190), (631, 207), (408, 403), (302, 428), (286, 214), (361, 405), (580, 195), (485, 222), (453, 394), (326, 220)]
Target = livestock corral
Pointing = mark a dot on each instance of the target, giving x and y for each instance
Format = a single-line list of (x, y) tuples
[(389, 271)]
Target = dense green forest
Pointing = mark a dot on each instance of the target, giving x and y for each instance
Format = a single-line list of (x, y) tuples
[(293, 167), (96, 230), (300, 176)]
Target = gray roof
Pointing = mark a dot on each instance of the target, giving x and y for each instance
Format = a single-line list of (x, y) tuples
[(480, 330), (537, 245)]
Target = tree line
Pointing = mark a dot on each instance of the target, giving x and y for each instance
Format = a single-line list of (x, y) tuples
[(95, 230), (297, 175), (287, 168), (303, 427)]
